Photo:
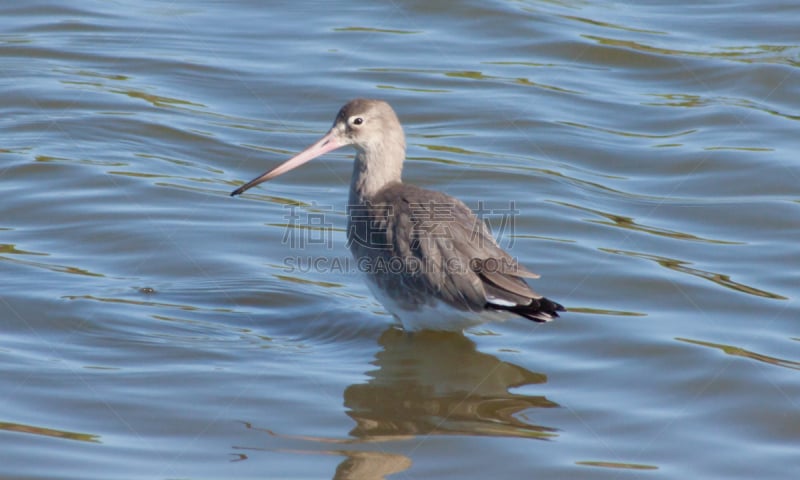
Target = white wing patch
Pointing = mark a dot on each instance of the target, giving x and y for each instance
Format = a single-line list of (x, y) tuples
[(500, 302)]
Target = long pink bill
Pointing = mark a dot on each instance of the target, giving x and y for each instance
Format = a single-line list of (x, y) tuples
[(329, 142)]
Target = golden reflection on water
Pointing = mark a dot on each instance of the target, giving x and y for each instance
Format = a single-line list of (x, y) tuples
[(629, 223), (305, 281), (143, 303), (411, 89), (157, 100), (476, 75), (741, 352), (613, 26), (48, 432), (91, 74), (746, 54), (685, 100), (603, 311), (101, 81), (624, 466), (681, 266), (375, 30), (101, 163), (623, 133), (11, 249)]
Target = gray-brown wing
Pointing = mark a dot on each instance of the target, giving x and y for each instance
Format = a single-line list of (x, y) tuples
[(448, 253)]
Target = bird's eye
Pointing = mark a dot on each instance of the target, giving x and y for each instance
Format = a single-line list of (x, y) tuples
[(358, 121)]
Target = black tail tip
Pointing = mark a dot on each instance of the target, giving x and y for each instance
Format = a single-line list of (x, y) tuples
[(541, 310), (550, 306), (546, 311)]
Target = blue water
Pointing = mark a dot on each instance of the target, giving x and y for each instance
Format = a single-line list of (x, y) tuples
[(154, 327)]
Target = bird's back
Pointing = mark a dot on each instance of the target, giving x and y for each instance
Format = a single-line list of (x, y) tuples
[(421, 248)]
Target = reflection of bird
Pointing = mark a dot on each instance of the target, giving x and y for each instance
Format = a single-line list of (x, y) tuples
[(437, 383), (419, 248), (425, 384)]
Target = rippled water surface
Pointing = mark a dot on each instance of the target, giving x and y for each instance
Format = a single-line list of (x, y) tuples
[(641, 156)]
